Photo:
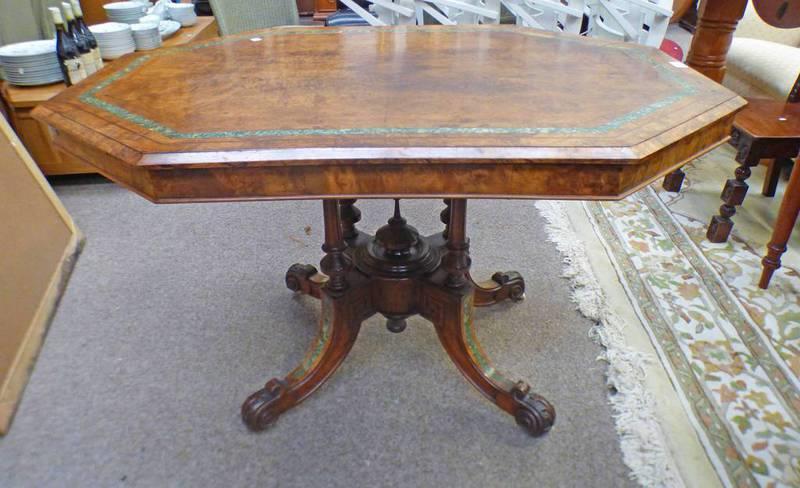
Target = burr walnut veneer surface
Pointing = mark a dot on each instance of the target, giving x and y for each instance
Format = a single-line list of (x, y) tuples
[(456, 111)]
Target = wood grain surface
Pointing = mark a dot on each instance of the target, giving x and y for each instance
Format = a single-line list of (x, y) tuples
[(464, 111)]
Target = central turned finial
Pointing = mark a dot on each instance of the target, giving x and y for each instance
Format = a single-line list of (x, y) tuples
[(397, 250), (397, 238)]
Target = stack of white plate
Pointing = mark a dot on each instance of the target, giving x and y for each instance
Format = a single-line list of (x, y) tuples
[(183, 13), (113, 39), (125, 12), (30, 63), (146, 36)]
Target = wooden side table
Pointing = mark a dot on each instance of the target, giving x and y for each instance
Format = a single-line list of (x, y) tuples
[(20, 102), (766, 129)]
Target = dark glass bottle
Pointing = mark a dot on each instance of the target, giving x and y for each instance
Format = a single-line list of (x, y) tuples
[(67, 51), (76, 9), (80, 41)]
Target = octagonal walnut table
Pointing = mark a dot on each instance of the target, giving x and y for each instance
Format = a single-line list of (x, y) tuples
[(452, 112)]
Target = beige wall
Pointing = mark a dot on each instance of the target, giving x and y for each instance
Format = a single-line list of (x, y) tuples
[(25, 20)]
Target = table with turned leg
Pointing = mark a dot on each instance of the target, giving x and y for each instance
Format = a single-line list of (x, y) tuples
[(450, 112)]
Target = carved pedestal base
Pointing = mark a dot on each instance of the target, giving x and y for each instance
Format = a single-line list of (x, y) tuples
[(398, 273)]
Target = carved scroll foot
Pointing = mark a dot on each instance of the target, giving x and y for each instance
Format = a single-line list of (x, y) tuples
[(451, 314), (263, 407), (339, 325), (534, 413), (503, 286), (305, 279)]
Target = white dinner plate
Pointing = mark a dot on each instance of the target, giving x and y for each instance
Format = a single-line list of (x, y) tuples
[(109, 28), (33, 64), (145, 28), (28, 49), (125, 6)]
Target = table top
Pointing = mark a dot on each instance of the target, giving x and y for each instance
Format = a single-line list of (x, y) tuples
[(371, 107), (28, 96)]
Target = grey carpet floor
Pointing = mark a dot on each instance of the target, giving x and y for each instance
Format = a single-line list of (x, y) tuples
[(174, 314)]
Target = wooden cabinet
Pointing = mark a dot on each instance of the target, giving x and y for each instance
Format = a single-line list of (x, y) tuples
[(93, 11), (323, 8), (20, 101), (305, 7), (35, 136), (679, 9)]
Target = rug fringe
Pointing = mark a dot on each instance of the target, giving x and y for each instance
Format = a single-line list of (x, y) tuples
[(643, 445)]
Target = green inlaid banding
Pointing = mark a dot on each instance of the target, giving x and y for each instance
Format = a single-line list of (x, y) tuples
[(89, 97), (474, 347), (316, 350)]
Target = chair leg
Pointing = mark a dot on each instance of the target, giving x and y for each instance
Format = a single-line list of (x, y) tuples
[(734, 192), (774, 170), (674, 181), (787, 216)]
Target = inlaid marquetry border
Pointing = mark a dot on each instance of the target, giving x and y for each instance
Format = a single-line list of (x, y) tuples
[(686, 89)]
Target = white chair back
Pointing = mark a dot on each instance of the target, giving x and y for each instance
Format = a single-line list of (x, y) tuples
[(641, 21), (385, 12), (234, 16), (551, 15), (449, 12), (607, 28)]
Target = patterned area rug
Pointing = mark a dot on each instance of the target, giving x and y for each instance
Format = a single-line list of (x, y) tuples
[(732, 350)]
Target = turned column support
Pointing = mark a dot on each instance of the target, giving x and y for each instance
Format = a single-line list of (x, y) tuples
[(350, 215), (444, 216), (335, 264), (716, 23), (456, 261)]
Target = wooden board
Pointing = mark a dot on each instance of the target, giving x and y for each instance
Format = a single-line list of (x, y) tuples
[(40, 243)]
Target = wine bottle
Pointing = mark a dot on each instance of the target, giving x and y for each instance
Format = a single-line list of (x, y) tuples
[(68, 56), (80, 41), (76, 9)]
